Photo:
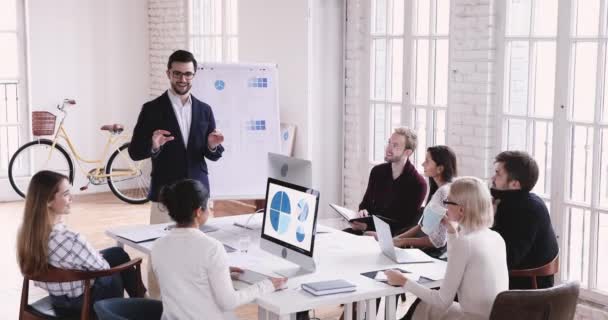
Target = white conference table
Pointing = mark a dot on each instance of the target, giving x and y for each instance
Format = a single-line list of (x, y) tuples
[(339, 255)]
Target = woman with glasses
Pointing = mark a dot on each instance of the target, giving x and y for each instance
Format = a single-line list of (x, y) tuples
[(477, 267), (191, 267), (441, 168)]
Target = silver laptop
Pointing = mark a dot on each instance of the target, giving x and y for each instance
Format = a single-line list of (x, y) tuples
[(385, 240)]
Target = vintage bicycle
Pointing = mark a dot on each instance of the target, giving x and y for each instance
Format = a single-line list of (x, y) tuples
[(129, 180)]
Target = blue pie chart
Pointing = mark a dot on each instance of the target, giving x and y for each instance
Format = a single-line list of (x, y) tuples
[(302, 210), (280, 212), (300, 235)]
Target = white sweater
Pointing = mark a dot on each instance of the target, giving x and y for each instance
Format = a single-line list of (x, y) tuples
[(476, 270), (194, 278)]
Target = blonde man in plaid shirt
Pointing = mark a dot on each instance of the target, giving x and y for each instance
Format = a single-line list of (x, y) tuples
[(44, 240)]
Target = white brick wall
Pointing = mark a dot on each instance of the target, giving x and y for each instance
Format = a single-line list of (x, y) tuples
[(355, 106), (471, 100), (168, 26)]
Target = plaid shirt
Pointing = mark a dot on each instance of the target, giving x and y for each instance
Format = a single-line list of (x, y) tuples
[(70, 250)]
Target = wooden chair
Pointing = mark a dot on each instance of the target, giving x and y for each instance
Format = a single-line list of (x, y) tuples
[(43, 309), (548, 269), (555, 303)]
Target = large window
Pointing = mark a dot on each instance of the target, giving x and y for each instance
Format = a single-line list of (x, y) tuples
[(214, 30), (13, 111), (555, 97), (408, 71)]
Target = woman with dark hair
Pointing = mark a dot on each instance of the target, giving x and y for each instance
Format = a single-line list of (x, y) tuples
[(192, 268), (43, 239), (441, 168)]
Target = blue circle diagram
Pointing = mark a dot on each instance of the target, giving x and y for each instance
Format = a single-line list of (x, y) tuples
[(302, 210), (219, 84), (300, 235), (280, 212)]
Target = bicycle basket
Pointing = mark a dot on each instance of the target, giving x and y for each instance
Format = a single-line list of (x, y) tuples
[(43, 123)]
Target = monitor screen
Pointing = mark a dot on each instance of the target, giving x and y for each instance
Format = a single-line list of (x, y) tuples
[(290, 216)]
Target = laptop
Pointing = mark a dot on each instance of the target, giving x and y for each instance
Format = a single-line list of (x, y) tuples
[(385, 240)]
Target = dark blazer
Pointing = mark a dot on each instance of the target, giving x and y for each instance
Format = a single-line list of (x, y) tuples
[(175, 161), (522, 219)]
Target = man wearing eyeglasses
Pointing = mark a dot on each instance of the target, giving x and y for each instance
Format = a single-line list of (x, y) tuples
[(177, 131)]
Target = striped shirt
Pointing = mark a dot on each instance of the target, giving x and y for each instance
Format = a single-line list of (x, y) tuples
[(70, 250)]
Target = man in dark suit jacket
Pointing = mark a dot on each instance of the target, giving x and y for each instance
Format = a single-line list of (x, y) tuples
[(177, 131), (522, 218)]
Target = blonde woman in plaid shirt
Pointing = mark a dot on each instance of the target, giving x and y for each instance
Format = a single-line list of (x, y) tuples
[(43, 239)]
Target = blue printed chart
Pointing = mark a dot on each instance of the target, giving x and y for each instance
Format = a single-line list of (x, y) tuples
[(290, 216), (280, 212)]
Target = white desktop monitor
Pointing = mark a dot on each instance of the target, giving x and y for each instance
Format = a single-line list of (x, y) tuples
[(292, 170), (289, 225)]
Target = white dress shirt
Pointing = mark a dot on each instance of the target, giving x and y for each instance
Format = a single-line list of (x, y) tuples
[(476, 271), (183, 113), (194, 277)]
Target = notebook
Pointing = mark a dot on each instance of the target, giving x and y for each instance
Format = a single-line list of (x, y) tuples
[(352, 216), (321, 288)]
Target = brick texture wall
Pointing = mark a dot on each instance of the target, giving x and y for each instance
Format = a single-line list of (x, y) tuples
[(168, 26)]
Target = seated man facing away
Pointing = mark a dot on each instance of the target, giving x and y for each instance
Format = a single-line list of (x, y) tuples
[(395, 189), (521, 217)]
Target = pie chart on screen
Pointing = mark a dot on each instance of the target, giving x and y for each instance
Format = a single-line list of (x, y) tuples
[(280, 212), (300, 234), (302, 210)]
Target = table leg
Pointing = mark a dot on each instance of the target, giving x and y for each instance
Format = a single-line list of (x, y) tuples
[(371, 309), (348, 311), (390, 307), (361, 310)]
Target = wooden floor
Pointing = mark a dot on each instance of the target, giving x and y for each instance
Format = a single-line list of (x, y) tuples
[(92, 215)]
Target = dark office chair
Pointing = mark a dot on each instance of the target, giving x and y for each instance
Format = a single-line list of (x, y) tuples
[(43, 309), (556, 303), (128, 309)]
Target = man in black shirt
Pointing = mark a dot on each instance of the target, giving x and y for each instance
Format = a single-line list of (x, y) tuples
[(522, 218), (395, 189)]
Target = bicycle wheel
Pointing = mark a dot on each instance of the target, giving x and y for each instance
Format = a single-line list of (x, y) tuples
[(36, 156), (129, 180)]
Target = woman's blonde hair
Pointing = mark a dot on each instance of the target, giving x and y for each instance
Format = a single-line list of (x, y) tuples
[(474, 197), (33, 234)]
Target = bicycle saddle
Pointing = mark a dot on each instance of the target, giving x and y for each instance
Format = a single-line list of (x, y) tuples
[(113, 128)]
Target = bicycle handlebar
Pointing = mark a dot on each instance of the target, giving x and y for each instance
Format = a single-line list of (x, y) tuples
[(66, 101)]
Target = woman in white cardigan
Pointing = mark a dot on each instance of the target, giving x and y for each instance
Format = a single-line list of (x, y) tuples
[(192, 268), (477, 263)]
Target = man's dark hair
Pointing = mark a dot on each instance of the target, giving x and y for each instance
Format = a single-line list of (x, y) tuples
[(519, 166), (181, 56)]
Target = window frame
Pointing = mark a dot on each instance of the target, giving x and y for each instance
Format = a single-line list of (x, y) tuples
[(22, 85), (408, 107), (223, 35), (562, 123)]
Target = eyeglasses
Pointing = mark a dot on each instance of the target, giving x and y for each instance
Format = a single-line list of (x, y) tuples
[(446, 202), (178, 75)]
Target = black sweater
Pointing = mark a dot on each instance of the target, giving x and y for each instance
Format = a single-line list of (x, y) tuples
[(398, 199), (522, 219)]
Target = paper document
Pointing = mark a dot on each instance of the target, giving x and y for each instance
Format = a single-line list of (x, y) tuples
[(144, 233), (346, 213)]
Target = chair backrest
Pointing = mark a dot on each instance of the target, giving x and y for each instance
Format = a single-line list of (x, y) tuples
[(27, 312), (548, 269), (56, 275), (129, 309), (556, 303)]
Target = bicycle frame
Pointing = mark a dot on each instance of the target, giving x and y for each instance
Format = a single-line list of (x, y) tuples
[(98, 171)]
